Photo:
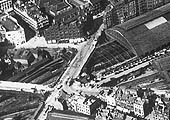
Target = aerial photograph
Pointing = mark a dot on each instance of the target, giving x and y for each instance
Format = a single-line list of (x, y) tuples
[(84, 59)]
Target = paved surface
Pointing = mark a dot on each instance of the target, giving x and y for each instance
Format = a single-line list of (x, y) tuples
[(72, 71), (27, 87), (41, 42)]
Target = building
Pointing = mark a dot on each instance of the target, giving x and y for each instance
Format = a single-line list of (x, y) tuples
[(139, 107), (148, 5), (117, 115), (55, 7), (161, 110), (102, 95), (111, 100), (126, 9), (67, 115), (125, 99), (82, 4), (110, 17), (142, 7), (66, 27), (31, 14), (98, 6), (143, 34), (87, 106), (74, 21), (94, 7), (66, 24), (108, 96), (2, 34), (6, 5), (22, 56), (11, 30), (166, 1)]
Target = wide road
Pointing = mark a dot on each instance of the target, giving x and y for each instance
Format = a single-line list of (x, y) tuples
[(72, 71), (26, 87)]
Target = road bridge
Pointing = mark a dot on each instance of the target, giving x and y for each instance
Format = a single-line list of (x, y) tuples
[(26, 87)]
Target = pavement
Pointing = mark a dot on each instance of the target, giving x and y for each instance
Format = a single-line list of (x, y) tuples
[(41, 42), (72, 71), (26, 87)]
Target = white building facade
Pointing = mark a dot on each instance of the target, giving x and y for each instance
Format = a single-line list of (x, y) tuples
[(139, 107), (83, 108), (6, 5), (82, 105), (111, 102)]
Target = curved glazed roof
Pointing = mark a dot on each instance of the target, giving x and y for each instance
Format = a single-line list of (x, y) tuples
[(144, 33)]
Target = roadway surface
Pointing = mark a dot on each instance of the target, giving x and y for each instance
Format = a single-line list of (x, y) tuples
[(26, 87), (72, 71)]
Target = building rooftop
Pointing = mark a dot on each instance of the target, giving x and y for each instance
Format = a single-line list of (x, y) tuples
[(109, 54), (94, 1), (61, 5), (78, 3), (54, 5), (31, 9), (67, 16), (144, 33)]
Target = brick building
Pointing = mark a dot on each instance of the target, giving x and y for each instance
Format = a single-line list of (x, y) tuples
[(66, 26), (148, 5), (128, 9), (110, 17), (125, 100)]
